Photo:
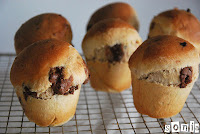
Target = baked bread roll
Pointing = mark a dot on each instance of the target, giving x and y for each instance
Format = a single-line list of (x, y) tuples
[(115, 10), (47, 78), (163, 69), (107, 47), (41, 27), (179, 23)]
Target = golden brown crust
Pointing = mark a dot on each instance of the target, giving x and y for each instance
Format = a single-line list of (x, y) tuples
[(179, 23), (156, 72), (115, 10), (108, 33), (31, 67), (163, 49), (30, 74), (105, 75), (165, 46), (105, 25), (41, 27)]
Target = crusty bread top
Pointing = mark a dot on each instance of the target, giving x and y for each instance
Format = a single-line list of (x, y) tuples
[(31, 67), (105, 25), (163, 53), (110, 32), (41, 27), (115, 10), (177, 22)]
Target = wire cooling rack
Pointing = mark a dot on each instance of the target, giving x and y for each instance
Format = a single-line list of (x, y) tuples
[(96, 113)]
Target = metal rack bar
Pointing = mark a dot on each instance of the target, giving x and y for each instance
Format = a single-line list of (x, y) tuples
[(97, 112), (114, 113), (87, 108), (101, 112), (127, 113)]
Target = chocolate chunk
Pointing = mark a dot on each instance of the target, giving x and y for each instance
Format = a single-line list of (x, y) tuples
[(63, 85), (55, 73), (185, 76), (188, 10), (115, 53), (59, 84), (71, 90), (183, 44), (27, 93), (44, 95)]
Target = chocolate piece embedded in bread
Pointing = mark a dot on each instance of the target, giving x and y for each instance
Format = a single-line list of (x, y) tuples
[(163, 69), (107, 47), (59, 84), (47, 77), (185, 76), (114, 53)]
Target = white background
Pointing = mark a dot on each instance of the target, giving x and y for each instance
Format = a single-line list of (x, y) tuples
[(13, 13)]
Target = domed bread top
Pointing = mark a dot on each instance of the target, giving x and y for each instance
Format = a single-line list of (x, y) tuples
[(106, 25), (110, 32), (41, 27), (35, 65), (115, 10), (177, 22), (107, 47), (163, 52)]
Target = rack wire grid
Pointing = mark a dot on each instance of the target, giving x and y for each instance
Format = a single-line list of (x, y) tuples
[(96, 113)]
